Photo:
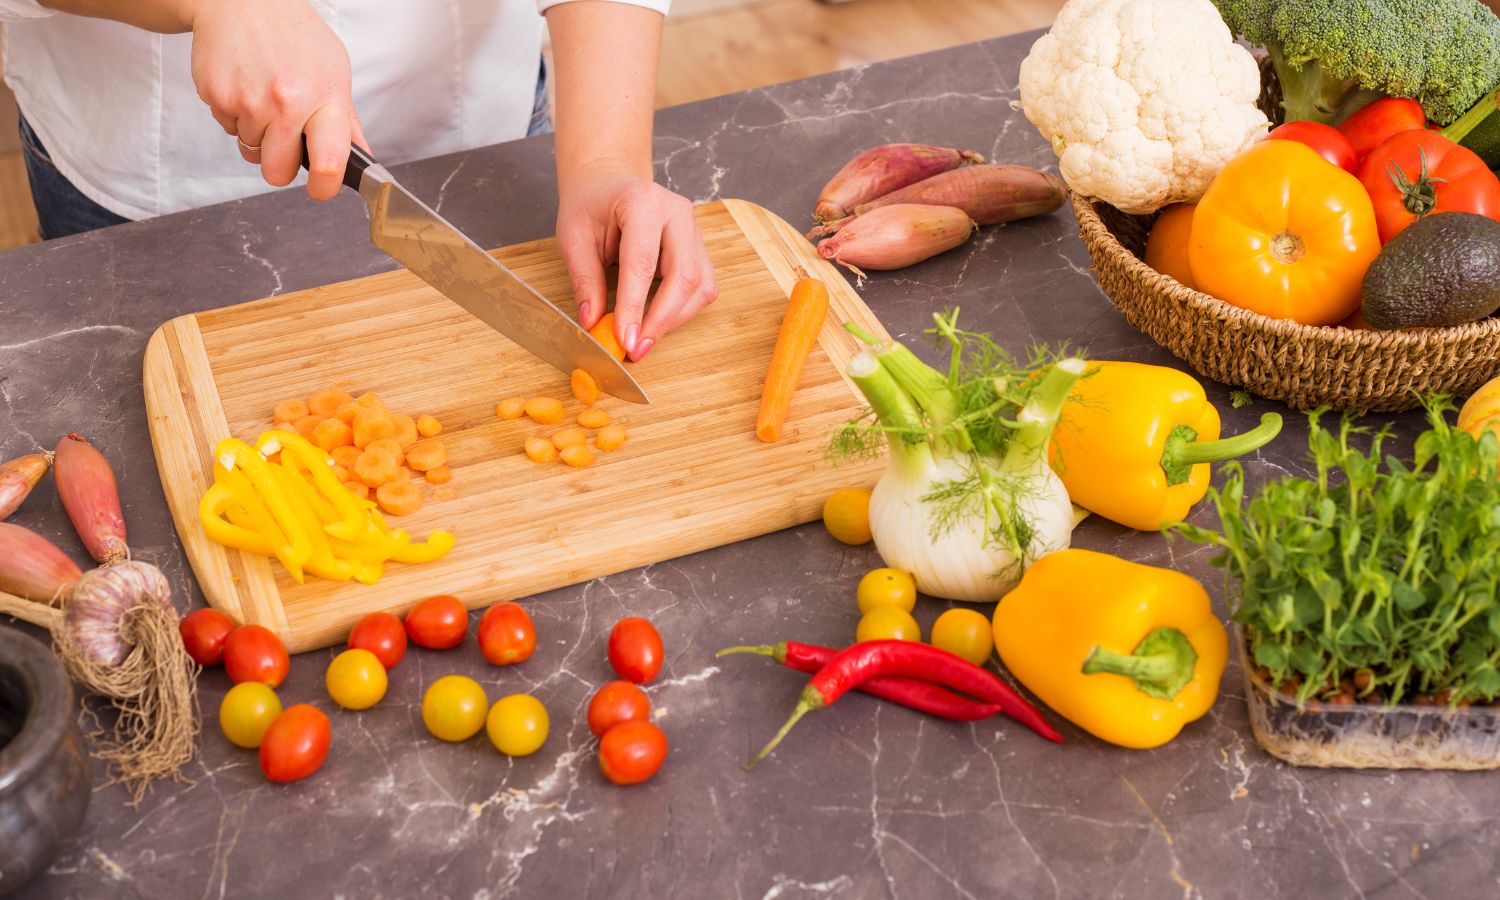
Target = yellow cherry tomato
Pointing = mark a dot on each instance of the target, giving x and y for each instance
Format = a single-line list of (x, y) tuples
[(453, 708), (965, 633), (887, 587), (356, 679), (887, 623), (846, 515), (517, 725), (247, 711)]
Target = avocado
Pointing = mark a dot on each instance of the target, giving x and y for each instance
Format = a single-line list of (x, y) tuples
[(1443, 269)]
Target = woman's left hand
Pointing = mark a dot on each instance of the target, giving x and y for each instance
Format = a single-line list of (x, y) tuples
[(607, 213)]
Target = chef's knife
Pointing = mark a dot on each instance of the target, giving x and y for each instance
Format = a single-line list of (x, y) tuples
[(439, 254)]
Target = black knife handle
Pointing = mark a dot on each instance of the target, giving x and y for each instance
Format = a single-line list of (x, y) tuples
[(354, 169)]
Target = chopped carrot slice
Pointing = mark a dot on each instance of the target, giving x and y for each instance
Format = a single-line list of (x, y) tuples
[(544, 410), (372, 425), (540, 450), (327, 401), (399, 498), (428, 454), (375, 467), (427, 426), (511, 408), (578, 456), (289, 411), (439, 475), (345, 456), (330, 434), (346, 412), (371, 400), (593, 418), (585, 388), (389, 445), (358, 489), (306, 424), (610, 438), (604, 332), (406, 429), (568, 437)]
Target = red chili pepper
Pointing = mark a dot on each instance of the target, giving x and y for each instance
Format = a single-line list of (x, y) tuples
[(860, 662), (923, 696)]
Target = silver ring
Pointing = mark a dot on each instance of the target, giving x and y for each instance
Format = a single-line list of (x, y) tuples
[(246, 147)]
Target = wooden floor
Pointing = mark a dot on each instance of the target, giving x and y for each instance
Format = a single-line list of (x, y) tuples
[(714, 47)]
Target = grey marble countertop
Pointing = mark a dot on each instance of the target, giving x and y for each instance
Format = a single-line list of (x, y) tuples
[(864, 800)]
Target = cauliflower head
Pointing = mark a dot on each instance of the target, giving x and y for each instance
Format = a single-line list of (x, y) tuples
[(1143, 100)]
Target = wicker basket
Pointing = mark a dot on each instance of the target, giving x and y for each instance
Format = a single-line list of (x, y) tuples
[(1301, 365)]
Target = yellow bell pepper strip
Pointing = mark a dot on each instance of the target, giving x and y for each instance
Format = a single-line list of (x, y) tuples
[(299, 494), (435, 547), (1128, 652), (1134, 443), (212, 509), (236, 454), (297, 452)]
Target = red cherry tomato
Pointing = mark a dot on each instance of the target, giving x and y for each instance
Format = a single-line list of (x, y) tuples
[(635, 650), (1379, 122), (632, 752), (203, 634), (383, 635), (617, 702), (255, 653), (438, 623), (1456, 180), (506, 634), (295, 745), (1329, 142)]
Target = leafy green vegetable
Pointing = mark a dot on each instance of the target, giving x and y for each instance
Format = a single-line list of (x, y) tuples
[(1238, 399), (1378, 570)]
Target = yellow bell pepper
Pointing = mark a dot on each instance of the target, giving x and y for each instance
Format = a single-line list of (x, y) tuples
[(1128, 652), (1134, 443)]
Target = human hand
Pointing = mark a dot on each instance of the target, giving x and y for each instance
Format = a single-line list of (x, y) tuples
[(608, 212), (271, 71)]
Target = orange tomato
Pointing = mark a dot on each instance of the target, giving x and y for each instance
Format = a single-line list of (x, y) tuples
[(1284, 233), (1167, 247)]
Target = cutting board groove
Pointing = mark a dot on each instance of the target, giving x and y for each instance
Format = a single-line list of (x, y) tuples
[(691, 477)]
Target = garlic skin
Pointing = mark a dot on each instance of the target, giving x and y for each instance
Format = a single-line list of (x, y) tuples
[(96, 608)]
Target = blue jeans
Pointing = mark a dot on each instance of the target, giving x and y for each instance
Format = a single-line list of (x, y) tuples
[(62, 209)]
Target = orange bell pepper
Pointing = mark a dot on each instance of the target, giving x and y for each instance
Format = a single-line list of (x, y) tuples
[(1284, 233)]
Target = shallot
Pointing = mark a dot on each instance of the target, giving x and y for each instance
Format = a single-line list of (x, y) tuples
[(891, 237), (990, 194), (18, 477), (880, 170), (86, 484)]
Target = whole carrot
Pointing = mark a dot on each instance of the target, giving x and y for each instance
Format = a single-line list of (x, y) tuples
[(18, 476), (805, 312), (880, 170)]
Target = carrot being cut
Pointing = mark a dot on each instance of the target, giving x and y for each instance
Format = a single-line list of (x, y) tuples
[(604, 332), (399, 498), (585, 388), (806, 309)]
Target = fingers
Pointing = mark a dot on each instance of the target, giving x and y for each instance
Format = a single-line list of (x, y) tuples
[(642, 219), (581, 252), (248, 133), (329, 132), (687, 278)]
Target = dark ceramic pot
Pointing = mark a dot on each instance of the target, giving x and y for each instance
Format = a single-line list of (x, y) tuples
[(44, 771)]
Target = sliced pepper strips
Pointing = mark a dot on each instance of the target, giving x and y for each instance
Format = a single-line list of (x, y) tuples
[(1128, 652), (1134, 443)]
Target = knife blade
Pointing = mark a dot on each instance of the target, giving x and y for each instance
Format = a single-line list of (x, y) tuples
[(441, 255)]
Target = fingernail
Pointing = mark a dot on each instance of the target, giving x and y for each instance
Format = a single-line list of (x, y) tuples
[(583, 313), (632, 334), (641, 350)]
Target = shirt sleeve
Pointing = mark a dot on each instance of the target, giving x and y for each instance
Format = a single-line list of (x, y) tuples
[(542, 6), (21, 10)]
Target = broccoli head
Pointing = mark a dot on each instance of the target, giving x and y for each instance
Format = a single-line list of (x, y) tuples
[(1444, 53)]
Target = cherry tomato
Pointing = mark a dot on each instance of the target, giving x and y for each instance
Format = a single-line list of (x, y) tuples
[(438, 623), (383, 635), (246, 712), (356, 679), (203, 634), (506, 634), (1435, 175), (255, 653), (886, 587), (635, 650), (616, 702), (517, 725), (1380, 121), (887, 623), (846, 515), (1329, 142), (454, 707), (295, 745), (965, 633), (632, 752)]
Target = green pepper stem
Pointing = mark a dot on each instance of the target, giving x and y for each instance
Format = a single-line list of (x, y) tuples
[(1040, 414), (1183, 450), (810, 701), (774, 651), (1161, 664), (898, 414)]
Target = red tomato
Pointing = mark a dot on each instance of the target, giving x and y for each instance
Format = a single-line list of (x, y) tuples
[(635, 650), (616, 702), (1328, 141), (632, 752), (438, 623), (254, 653), (295, 745), (1379, 122), (203, 634), (1436, 175), (383, 635), (506, 634)]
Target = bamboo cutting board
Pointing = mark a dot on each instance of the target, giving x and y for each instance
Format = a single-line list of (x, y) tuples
[(692, 475)]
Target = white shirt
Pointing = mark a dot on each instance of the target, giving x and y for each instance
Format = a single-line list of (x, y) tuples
[(116, 108)]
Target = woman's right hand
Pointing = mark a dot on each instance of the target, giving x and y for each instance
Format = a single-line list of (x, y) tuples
[(271, 71)]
